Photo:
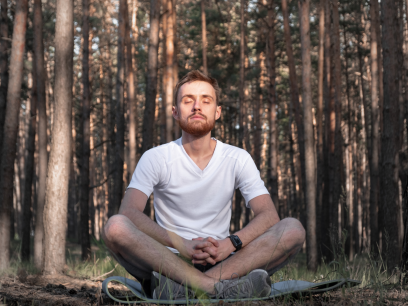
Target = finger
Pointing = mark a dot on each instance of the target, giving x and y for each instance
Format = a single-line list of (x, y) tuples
[(212, 251), (211, 260), (198, 238), (202, 255), (203, 245), (213, 241)]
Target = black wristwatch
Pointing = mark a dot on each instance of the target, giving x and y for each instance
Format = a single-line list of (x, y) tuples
[(236, 242)]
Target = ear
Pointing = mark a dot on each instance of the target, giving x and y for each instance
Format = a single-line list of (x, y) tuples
[(218, 113), (175, 113)]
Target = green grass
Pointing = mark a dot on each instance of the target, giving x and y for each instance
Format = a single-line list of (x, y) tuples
[(371, 272)]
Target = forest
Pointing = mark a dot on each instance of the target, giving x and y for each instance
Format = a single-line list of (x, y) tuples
[(315, 90)]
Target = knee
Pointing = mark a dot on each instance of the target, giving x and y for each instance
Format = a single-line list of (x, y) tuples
[(114, 229), (293, 231)]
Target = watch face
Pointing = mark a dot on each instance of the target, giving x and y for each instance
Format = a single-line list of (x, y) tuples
[(235, 240)]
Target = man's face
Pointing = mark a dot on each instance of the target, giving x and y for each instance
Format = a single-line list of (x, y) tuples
[(197, 108)]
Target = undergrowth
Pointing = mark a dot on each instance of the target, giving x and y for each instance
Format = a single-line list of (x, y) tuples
[(367, 268)]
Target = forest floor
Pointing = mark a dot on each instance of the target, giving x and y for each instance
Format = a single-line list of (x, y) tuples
[(81, 283)]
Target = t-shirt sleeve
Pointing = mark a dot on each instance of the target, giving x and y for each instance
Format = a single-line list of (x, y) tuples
[(249, 181), (147, 174)]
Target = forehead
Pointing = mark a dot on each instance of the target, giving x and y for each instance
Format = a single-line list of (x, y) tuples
[(197, 88)]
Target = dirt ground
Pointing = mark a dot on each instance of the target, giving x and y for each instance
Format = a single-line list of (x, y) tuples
[(64, 290)]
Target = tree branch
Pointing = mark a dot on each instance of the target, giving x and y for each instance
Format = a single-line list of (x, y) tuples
[(103, 182)]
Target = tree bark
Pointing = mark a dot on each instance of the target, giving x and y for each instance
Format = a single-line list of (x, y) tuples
[(338, 151), (204, 37), (131, 92), (273, 150), (11, 123), (4, 45), (238, 195), (30, 172), (242, 77), (120, 119), (151, 80), (328, 141), (86, 131), (390, 136), (55, 210), (110, 122), (319, 126), (294, 94), (175, 61), (349, 249), (42, 133), (169, 70), (310, 197), (375, 119), (380, 65)]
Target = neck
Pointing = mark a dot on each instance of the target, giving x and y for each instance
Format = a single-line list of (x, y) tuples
[(198, 146)]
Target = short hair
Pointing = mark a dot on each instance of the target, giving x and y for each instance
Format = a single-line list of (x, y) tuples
[(193, 76)]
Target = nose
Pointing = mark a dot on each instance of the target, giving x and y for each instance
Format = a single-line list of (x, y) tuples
[(197, 105)]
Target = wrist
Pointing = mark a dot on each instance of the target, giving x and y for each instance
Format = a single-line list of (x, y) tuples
[(236, 242), (175, 241), (231, 247)]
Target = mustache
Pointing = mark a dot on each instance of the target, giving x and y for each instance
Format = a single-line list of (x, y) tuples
[(198, 114)]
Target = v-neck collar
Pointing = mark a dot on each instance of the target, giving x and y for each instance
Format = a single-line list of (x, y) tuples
[(194, 166)]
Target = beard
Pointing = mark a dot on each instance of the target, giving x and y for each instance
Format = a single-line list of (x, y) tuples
[(197, 128)]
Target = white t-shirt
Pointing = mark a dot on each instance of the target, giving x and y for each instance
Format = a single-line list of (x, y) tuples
[(192, 202)]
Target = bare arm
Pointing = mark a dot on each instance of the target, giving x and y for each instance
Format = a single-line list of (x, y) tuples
[(133, 204), (266, 216)]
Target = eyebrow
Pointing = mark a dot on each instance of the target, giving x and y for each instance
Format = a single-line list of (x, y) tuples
[(193, 96)]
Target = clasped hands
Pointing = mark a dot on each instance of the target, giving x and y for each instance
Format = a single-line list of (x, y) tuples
[(207, 250)]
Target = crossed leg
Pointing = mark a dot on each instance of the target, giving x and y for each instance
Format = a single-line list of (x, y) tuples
[(140, 254)]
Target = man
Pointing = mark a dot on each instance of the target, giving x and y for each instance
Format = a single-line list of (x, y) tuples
[(193, 180)]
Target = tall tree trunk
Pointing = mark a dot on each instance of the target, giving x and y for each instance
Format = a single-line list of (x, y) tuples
[(380, 65), (151, 82), (4, 45), (42, 133), (120, 119), (169, 70), (11, 123), (310, 197), (390, 136), (273, 150), (204, 37), (338, 153), (319, 126), (349, 158), (163, 102), (30, 172), (242, 77), (175, 61), (238, 195), (86, 131), (131, 93), (294, 94), (55, 210), (110, 122), (328, 147), (375, 119), (257, 108)]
